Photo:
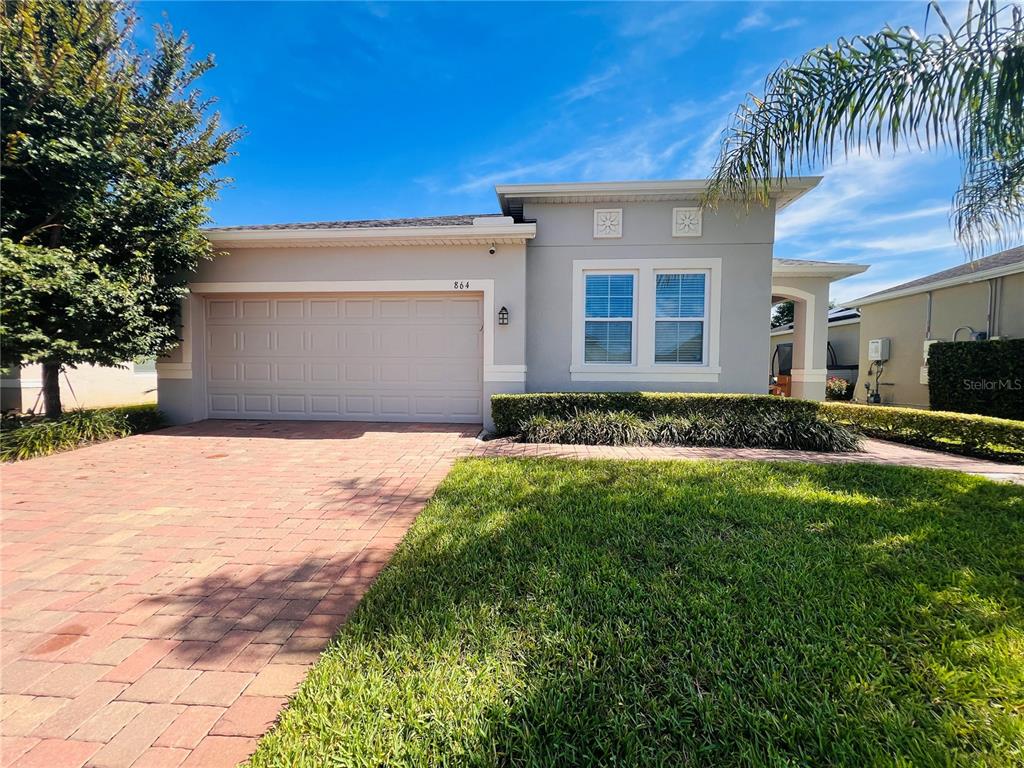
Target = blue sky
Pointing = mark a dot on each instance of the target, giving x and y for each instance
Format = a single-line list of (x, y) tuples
[(377, 110)]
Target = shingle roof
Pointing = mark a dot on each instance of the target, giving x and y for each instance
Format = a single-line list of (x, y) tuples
[(462, 220), (1002, 259)]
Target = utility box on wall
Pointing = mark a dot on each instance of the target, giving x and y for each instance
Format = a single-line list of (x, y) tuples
[(878, 350)]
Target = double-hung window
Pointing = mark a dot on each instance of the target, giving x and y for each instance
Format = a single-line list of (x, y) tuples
[(610, 316), (680, 309)]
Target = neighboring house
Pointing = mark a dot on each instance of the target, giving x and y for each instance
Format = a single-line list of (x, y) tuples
[(585, 286), (983, 296), (87, 386), (843, 345)]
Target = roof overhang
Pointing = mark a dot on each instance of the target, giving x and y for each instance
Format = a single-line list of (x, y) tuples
[(973, 277), (783, 330), (476, 234), (834, 270), (512, 197)]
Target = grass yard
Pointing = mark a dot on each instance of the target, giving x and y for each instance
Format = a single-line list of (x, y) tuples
[(561, 613)]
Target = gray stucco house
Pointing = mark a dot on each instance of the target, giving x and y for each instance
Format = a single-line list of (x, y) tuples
[(579, 286)]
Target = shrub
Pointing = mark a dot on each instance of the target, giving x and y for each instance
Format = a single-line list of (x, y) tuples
[(509, 411), (788, 430), (28, 437), (588, 428), (838, 388), (984, 377), (691, 415), (969, 434)]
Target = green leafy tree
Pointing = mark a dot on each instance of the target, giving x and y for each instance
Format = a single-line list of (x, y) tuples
[(961, 88), (782, 314), (109, 161)]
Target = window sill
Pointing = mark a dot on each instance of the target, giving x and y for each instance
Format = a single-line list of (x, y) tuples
[(659, 373)]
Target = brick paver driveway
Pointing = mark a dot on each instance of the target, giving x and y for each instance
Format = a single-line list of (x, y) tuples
[(163, 594)]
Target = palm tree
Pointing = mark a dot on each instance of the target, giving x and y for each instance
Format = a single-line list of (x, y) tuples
[(961, 88)]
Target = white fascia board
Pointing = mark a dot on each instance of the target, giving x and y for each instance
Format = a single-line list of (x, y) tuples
[(974, 277), (468, 235), (836, 271), (787, 192)]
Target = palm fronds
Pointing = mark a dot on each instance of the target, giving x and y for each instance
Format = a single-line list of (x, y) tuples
[(961, 88)]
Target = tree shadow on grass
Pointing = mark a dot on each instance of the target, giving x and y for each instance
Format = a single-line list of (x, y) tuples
[(599, 613)]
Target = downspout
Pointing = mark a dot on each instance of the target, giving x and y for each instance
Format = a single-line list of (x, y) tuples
[(997, 305), (991, 304), (928, 316)]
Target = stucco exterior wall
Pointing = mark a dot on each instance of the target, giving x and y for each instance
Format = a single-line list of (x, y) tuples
[(742, 240), (903, 320), (87, 386)]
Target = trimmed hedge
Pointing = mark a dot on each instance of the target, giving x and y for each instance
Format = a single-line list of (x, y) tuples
[(964, 433), (967, 434), (984, 377), (786, 430), (509, 411), (26, 437)]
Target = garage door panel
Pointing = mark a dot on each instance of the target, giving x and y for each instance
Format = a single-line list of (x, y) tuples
[(292, 405), (464, 309), (290, 340), (290, 372), (393, 357), (255, 309), (322, 340), (221, 341), (359, 373), (289, 309), (323, 372), (323, 309), (220, 309)]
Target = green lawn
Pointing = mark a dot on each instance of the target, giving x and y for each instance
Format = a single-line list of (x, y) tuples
[(561, 613)]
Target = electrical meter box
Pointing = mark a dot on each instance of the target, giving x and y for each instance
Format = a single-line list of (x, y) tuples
[(878, 350)]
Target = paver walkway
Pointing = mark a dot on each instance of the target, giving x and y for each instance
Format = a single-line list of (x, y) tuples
[(164, 594)]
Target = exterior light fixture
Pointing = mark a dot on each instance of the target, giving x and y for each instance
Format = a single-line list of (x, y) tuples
[(503, 316)]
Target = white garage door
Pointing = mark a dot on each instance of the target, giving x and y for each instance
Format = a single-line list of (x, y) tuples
[(385, 357)]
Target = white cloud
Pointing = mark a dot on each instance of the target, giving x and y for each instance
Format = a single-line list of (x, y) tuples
[(592, 85), (844, 194), (702, 160), (753, 20), (760, 19), (787, 24), (646, 148), (939, 239)]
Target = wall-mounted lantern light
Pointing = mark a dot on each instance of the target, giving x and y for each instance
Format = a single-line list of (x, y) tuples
[(503, 316)]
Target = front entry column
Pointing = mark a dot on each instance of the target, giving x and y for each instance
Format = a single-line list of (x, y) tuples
[(810, 334)]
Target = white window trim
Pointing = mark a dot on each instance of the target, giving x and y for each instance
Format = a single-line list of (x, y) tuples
[(644, 368), (703, 319), (633, 320)]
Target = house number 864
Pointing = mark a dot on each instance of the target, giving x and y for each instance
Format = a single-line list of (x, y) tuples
[(461, 285)]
